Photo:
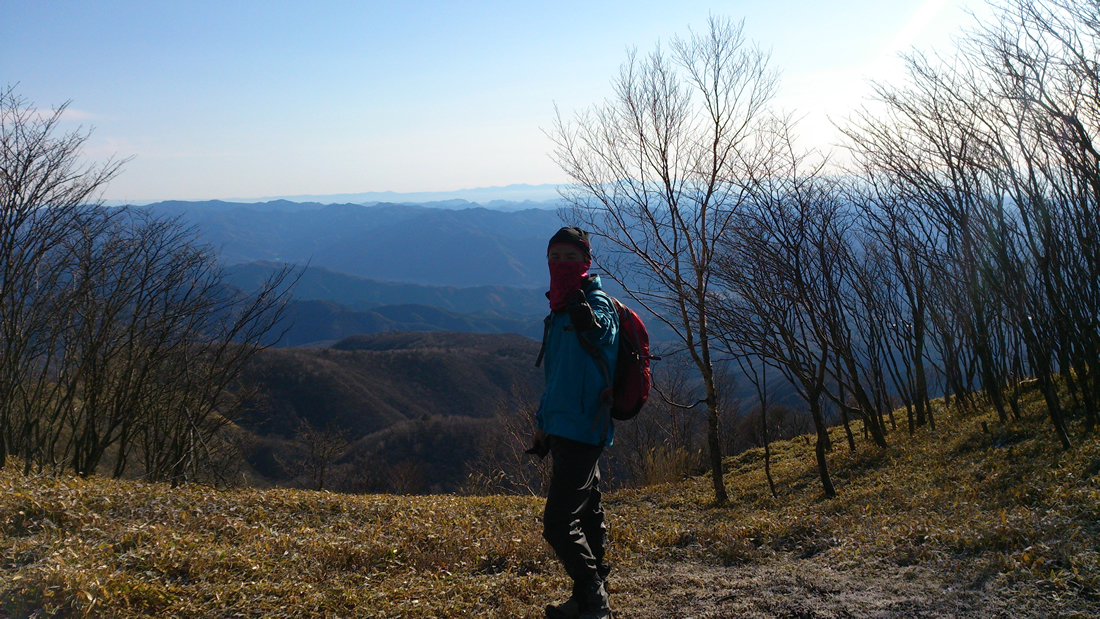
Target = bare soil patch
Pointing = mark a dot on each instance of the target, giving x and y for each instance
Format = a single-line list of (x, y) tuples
[(817, 589)]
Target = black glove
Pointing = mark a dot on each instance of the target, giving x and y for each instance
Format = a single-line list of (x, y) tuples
[(580, 314), (540, 449)]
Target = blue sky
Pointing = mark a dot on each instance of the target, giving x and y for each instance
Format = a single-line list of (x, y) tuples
[(248, 99)]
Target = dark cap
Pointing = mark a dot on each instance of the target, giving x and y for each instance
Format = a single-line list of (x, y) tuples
[(572, 236)]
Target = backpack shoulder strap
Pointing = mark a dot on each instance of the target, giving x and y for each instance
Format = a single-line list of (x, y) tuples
[(545, 332), (595, 353), (607, 398)]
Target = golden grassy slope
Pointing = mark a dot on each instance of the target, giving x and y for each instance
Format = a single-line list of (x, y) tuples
[(1005, 518)]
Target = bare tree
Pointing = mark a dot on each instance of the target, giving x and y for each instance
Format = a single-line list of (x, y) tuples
[(757, 372), (118, 330), (45, 187), (216, 330), (773, 280), (895, 236), (663, 444), (729, 403), (985, 184), (501, 464), (658, 174), (323, 447), (1045, 92)]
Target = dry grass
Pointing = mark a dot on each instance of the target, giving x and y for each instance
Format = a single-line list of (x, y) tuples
[(1006, 513), (83, 547), (1005, 518)]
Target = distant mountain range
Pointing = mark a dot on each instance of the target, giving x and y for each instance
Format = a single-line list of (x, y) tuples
[(484, 195), (509, 197), (420, 322), (389, 242), (361, 294), (280, 204), (384, 267), (332, 305)]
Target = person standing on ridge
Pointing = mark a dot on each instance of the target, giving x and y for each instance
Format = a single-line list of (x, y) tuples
[(580, 344)]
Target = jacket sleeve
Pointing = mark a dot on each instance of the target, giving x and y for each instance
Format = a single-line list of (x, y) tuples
[(542, 400), (607, 320), (538, 413)]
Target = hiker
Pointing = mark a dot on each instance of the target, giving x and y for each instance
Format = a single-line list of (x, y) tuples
[(574, 422)]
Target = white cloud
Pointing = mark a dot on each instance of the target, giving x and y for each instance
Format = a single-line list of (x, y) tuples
[(75, 115), (69, 115)]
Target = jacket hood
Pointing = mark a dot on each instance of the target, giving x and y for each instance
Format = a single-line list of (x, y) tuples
[(593, 283)]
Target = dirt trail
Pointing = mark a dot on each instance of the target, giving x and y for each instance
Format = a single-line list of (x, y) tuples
[(814, 589)]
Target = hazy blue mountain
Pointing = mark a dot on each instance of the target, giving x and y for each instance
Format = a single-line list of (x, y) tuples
[(510, 193), (391, 242), (458, 204), (359, 293), (489, 266), (182, 207), (455, 204), (333, 305)]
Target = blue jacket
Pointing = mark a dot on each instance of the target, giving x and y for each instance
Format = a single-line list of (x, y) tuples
[(571, 405)]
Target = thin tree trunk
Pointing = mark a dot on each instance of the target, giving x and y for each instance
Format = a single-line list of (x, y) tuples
[(822, 445), (714, 442), (920, 387), (878, 426), (847, 429), (767, 451), (715, 445), (1054, 406), (844, 409)]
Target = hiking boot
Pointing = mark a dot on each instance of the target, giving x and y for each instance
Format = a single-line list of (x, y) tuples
[(597, 604), (569, 609)]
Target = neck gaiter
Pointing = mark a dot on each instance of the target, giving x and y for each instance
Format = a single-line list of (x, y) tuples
[(565, 279)]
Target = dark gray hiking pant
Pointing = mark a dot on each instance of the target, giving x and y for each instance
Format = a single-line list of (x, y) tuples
[(573, 520)]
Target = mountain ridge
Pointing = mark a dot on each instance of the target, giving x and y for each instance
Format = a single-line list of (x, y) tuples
[(363, 293), (517, 192), (391, 242), (309, 322), (367, 382), (389, 394)]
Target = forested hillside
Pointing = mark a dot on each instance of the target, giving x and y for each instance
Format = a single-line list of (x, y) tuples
[(392, 404), (368, 382), (359, 293), (324, 322)]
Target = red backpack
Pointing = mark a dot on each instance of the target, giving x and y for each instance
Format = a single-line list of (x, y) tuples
[(632, 377)]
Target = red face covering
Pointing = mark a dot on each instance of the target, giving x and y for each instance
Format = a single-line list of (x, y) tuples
[(565, 280)]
